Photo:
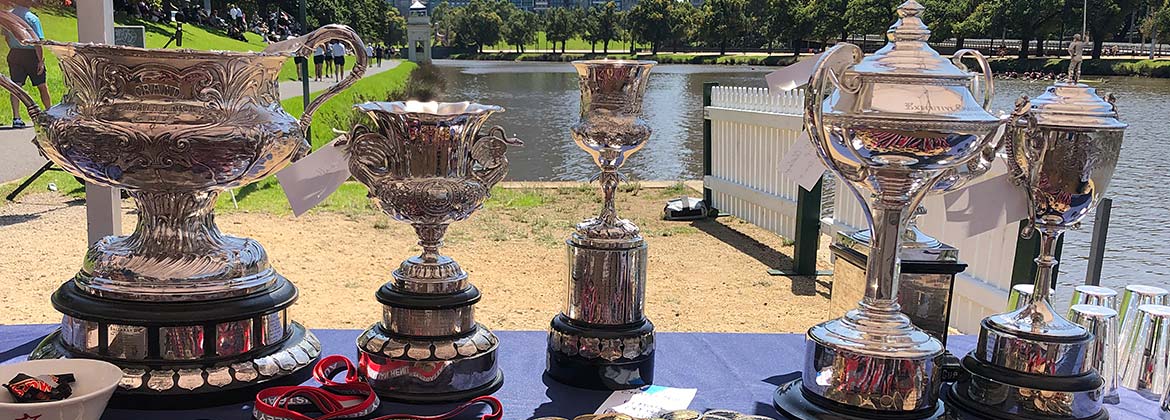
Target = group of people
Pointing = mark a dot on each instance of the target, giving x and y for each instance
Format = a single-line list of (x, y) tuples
[(329, 60)]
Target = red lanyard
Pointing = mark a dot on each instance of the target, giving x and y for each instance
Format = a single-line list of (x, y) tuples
[(343, 400)]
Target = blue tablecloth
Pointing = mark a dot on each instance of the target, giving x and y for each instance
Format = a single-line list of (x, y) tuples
[(732, 371)]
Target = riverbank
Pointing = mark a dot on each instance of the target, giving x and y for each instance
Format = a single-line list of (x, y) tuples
[(661, 58), (1104, 66), (707, 275)]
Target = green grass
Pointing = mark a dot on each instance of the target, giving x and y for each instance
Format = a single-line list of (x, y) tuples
[(615, 46), (337, 112), (749, 60), (61, 25), (517, 198)]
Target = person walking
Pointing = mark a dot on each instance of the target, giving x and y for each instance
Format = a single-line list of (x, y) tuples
[(369, 51), (318, 61), (338, 59), (26, 62), (328, 47), (378, 51)]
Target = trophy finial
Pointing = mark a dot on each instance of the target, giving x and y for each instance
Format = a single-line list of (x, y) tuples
[(909, 26)]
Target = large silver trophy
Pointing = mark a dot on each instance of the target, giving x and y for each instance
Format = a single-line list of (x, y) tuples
[(1032, 363), (602, 339), (429, 164), (191, 315), (892, 126)]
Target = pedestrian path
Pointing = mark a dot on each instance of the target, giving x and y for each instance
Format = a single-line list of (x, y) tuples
[(19, 157)]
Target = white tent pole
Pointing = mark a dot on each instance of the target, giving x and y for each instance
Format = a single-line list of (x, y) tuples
[(103, 211)]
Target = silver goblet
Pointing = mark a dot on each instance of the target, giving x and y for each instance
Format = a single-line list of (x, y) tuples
[(602, 338), (429, 164), (191, 315), (890, 125), (1032, 362)]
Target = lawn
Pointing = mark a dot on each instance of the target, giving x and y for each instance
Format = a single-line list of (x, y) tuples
[(615, 46), (61, 25)]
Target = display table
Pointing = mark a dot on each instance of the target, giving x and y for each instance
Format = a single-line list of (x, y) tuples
[(731, 371)]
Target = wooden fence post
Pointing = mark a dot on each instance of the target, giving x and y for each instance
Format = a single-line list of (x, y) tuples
[(707, 196), (1024, 266)]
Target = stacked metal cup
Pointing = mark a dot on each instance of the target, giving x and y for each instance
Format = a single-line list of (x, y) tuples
[(602, 338), (1146, 347), (1062, 152), (429, 164), (891, 126), (1101, 321)]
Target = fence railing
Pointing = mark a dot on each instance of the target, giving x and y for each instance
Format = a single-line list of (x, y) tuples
[(749, 130)]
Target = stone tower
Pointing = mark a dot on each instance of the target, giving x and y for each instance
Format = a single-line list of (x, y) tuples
[(418, 33)]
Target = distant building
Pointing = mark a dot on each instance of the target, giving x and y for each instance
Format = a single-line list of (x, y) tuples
[(418, 33)]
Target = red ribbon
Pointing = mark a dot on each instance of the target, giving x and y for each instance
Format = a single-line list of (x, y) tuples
[(342, 400)]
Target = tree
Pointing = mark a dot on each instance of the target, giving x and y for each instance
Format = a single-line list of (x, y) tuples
[(394, 32), (826, 19), (559, 26), (607, 22), (1026, 19), (443, 23), (520, 29), (776, 20), (866, 17), (687, 19), (950, 19), (723, 21), (1104, 20), (653, 21), (477, 24)]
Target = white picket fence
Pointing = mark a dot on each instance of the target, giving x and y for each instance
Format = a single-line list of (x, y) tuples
[(752, 129)]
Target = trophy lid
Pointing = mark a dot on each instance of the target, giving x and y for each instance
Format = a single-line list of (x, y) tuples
[(908, 54), (1075, 106), (907, 81)]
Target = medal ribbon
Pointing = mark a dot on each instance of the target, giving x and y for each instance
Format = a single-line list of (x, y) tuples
[(343, 400)]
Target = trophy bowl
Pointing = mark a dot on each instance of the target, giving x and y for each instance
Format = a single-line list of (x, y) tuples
[(191, 315), (428, 164)]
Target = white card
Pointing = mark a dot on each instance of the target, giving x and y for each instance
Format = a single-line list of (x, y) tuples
[(802, 164), (792, 76), (647, 401), (307, 182), (982, 206)]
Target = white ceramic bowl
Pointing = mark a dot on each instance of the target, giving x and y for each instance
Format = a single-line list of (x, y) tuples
[(95, 384)]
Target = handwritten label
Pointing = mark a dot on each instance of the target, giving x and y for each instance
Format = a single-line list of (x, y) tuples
[(647, 401), (985, 204), (307, 182), (802, 164), (792, 76)]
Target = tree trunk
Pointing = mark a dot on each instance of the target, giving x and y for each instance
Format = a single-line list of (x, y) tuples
[(563, 46), (795, 47), (605, 46), (959, 43), (1025, 43), (1040, 48), (593, 47), (722, 48), (1097, 44), (653, 47)]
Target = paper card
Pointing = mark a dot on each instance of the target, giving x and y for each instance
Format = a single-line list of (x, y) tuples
[(307, 182), (791, 76), (802, 164), (647, 401), (982, 206)]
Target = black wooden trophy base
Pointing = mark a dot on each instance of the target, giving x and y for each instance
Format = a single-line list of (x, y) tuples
[(572, 359), (795, 403)]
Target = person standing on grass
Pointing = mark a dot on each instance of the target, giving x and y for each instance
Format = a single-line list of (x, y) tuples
[(318, 61), (26, 62), (338, 59)]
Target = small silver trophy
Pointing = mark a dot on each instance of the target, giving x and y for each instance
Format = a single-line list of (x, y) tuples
[(602, 339), (892, 126), (192, 316), (429, 164), (1032, 363)]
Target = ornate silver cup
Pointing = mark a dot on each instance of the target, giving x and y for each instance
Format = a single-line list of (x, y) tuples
[(602, 339), (429, 164), (193, 316), (1032, 362), (892, 126)]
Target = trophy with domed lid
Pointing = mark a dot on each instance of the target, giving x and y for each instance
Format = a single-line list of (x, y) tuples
[(892, 126), (1032, 363)]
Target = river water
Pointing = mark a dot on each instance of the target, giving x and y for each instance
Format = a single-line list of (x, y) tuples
[(542, 102)]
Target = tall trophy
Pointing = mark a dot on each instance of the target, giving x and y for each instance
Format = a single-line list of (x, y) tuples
[(191, 315), (602, 339), (891, 125), (429, 164), (1032, 363)]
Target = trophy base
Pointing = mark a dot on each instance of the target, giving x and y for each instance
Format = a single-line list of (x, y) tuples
[(185, 354), (601, 357), (992, 392), (429, 370), (796, 403)]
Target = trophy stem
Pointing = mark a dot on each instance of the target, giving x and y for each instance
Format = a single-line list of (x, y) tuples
[(609, 183), (175, 223), (882, 267), (1045, 264), (430, 238)]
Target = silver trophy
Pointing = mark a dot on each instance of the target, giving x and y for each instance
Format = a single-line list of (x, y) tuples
[(892, 125), (191, 315), (1032, 362), (428, 164), (602, 339)]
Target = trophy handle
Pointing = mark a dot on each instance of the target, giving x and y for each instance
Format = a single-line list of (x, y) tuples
[(988, 90), (831, 63), (371, 156), (303, 47), (24, 34), (490, 163), (1025, 168)]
